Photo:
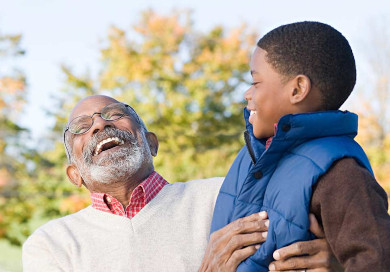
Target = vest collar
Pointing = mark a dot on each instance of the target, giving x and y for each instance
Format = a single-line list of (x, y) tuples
[(294, 129)]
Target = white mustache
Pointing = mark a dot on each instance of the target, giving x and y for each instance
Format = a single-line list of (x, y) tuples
[(108, 132)]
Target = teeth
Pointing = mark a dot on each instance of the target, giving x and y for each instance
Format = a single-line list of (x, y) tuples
[(100, 145), (253, 112)]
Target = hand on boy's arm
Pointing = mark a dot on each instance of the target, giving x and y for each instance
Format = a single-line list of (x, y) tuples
[(235, 242), (225, 249), (318, 255)]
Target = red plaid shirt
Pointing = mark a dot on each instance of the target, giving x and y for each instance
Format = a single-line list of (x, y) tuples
[(269, 141), (140, 196)]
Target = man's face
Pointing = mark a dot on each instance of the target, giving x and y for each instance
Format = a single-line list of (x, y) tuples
[(110, 150), (267, 98)]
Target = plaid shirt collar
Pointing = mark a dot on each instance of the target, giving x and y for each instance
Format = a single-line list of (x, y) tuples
[(269, 141), (140, 196)]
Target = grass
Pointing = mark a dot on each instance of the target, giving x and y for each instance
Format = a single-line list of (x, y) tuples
[(10, 257)]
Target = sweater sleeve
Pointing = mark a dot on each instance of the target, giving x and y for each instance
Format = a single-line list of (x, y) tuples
[(36, 256), (352, 208)]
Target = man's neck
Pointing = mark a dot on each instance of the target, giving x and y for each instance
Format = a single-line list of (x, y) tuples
[(122, 189)]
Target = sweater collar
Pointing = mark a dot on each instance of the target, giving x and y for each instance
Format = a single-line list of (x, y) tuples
[(140, 196)]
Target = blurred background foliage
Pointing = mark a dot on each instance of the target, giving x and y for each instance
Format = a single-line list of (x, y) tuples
[(186, 85)]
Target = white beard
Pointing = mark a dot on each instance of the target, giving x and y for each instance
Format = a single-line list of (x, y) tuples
[(118, 165)]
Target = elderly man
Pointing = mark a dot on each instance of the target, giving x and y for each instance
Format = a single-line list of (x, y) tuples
[(137, 220)]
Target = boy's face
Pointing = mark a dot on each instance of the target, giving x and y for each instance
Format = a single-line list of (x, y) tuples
[(268, 97)]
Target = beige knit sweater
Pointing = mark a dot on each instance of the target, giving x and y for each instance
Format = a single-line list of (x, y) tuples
[(168, 234)]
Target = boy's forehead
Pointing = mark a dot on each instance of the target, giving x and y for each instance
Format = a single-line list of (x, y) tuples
[(91, 104), (258, 60)]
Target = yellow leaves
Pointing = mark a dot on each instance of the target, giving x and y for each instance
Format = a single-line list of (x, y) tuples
[(11, 85), (11, 92), (369, 128), (162, 28), (223, 54), (161, 35), (74, 203), (376, 144), (5, 177), (140, 58), (10, 45)]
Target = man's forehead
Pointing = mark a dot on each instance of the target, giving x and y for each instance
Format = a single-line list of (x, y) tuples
[(91, 104)]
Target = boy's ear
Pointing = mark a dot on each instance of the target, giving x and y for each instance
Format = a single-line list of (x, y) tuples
[(152, 142), (74, 175), (300, 89)]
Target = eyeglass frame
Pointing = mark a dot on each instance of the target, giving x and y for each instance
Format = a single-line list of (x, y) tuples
[(91, 116)]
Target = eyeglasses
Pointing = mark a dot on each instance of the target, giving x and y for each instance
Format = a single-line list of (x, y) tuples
[(111, 112)]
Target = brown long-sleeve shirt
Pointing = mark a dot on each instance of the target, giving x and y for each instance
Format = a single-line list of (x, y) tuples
[(352, 208)]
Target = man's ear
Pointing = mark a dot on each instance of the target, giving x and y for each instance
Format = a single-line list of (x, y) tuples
[(152, 142), (301, 87), (74, 175)]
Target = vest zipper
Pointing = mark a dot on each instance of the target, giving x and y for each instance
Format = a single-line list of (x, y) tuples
[(249, 146)]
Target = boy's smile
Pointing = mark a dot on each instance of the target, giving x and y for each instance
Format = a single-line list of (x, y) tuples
[(268, 97)]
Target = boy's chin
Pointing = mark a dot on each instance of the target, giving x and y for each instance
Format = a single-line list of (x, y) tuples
[(262, 134)]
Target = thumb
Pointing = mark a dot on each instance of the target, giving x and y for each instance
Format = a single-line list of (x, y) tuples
[(315, 227)]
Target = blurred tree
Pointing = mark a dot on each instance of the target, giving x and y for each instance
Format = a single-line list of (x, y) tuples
[(374, 106), (14, 209)]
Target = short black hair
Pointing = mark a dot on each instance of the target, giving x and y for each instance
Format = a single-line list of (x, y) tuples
[(318, 51)]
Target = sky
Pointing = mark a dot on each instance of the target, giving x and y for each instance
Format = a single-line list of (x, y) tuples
[(71, 32)]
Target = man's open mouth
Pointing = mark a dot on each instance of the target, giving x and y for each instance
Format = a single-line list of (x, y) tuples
[(107, 144)]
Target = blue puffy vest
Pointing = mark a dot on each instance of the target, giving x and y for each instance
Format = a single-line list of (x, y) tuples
[(279, 180)]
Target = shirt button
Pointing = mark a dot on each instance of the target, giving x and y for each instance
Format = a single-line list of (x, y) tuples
[(286, 127), (258, 175), (108, 199)]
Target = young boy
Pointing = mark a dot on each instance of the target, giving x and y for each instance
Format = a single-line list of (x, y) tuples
[(300, 155)]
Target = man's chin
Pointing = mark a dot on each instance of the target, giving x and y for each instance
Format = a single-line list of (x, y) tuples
[(107, 174)]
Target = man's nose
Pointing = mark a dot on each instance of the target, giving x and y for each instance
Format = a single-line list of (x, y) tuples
[(100, 124), (248, 94)]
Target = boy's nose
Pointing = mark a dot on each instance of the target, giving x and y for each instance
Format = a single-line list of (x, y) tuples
[(248, 94)]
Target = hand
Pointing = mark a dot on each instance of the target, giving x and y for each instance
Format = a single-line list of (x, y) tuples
[(235, 242), (318, 256)]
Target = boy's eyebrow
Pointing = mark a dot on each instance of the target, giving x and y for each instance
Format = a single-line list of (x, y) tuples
[(253, 72)]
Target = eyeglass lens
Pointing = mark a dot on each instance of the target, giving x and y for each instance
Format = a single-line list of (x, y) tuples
[(111, 112)]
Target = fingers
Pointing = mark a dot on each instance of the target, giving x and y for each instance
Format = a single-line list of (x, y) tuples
[(321, 260), (239, 255), (307, 270), (297, 263), (235, 241), (243, 240), (251, 223), (240, 227), (315, 227), (289, 264), (301, 248)]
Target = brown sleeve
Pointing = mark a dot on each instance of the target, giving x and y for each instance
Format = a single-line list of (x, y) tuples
[(352, 208)]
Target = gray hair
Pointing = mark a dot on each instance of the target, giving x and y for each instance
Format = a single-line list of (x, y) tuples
[(68, 140)]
